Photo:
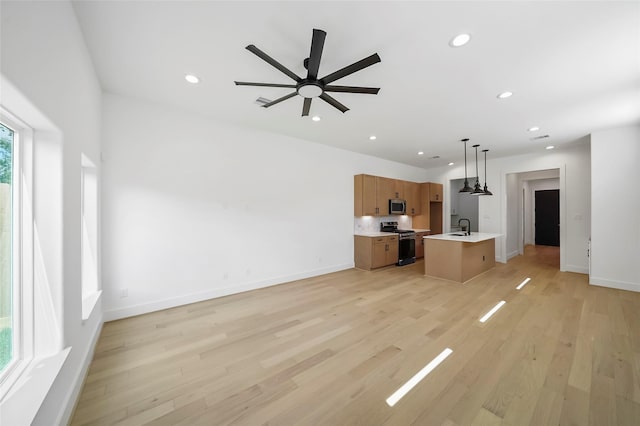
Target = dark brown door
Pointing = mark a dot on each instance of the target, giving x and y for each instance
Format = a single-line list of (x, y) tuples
[(548, 217)]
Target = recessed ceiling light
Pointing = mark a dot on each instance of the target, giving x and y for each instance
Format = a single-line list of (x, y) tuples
[(533, 129), (315, 118), (420, 153), (451, 164), (550, 147), (372, 138), (460, 40), (192, 79), (505, 95)]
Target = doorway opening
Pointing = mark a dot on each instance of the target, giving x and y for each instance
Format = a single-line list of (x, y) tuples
[(534, 215)]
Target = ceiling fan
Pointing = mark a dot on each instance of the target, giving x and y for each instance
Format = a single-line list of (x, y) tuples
[(312, 86)]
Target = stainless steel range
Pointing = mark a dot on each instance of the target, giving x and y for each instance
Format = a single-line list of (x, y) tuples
[(406, 242)]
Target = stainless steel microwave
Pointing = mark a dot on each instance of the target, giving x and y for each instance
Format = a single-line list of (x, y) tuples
[(397, 206)]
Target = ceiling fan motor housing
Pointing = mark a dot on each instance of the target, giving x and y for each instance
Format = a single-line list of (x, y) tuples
[(309, 89)]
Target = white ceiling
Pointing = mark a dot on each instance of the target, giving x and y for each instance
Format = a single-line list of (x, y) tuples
[(574, 68)]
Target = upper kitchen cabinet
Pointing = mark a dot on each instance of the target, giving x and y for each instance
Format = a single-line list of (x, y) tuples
[(436, 192), (411, 192), (365, 198), (372, 195), (387, 189)]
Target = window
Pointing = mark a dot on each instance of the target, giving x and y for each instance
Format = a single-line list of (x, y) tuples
[(8, 336), (90, 282)]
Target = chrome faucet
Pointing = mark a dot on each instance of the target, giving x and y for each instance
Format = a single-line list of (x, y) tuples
[(467, 230)]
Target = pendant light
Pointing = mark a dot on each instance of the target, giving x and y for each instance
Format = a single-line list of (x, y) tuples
[(477, 189), (466, 187), (486, 190)]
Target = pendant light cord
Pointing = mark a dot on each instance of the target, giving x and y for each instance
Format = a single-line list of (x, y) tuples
[(477, 174), (465, 160)]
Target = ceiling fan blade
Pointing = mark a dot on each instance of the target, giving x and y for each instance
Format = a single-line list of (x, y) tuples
[(260, 54), (356, 66), (277, 101), (306, 107), (352, 89), (246, 83), (331, 101), (317, 44)]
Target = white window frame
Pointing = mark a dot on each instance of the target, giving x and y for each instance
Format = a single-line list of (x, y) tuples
[(91, 287), (22, 251)]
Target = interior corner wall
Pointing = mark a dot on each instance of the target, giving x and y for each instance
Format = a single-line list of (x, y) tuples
[(513, 201), (44, 56), (196, 209), (615, 246)]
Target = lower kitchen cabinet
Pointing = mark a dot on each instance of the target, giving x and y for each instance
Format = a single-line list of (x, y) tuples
[(375, 252), (420, 244)]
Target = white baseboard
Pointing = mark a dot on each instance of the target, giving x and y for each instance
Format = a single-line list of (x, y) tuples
[(513, 254), (71, 399), (577, 269), (186, 299), (620, 285)]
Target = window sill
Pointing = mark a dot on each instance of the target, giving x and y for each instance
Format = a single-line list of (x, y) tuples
[(21, 404), (89, 303)]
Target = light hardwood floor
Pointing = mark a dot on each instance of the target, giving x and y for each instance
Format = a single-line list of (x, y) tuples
[(330, 350)]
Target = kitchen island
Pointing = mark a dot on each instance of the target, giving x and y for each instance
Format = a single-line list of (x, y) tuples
[(459, 257)]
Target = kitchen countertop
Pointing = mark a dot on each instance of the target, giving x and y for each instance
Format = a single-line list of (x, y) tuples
[(475, 237), (374, 234), (421, 230)]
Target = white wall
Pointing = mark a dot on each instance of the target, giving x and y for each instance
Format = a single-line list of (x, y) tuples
[(514, 201), (615, 245), (44, 57), (574, 165), (195, 209), (466, 206)]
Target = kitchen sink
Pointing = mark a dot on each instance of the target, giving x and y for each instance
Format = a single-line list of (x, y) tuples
[(458, 235)]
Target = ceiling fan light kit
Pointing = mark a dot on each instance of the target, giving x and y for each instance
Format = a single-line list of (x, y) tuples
[(313, 87)]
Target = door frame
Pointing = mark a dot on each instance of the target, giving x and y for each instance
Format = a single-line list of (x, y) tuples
[(563, 208)]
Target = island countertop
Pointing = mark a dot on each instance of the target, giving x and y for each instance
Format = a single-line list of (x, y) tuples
[(475, 237)]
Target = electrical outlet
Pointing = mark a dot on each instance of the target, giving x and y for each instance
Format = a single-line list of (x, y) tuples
[(124, 292)]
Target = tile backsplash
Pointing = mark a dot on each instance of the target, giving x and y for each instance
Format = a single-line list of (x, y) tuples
[(372, 223)]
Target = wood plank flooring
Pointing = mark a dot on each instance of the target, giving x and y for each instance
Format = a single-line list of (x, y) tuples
[(329, 351)]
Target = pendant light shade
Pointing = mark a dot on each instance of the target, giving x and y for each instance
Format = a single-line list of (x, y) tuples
[(486, 190), (477, 189), (466, 188)]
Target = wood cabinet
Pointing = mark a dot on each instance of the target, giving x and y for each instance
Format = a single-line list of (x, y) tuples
[(365, 190), (430, 216), (372, 195), (420, 244), (387, 189), (436, 192), (458, 260), (375, 252), (411, 192)]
